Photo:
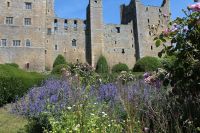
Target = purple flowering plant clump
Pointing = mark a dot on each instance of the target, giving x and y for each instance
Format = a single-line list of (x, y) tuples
[(52, 96)]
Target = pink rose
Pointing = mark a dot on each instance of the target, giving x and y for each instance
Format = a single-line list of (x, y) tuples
[(195, 7)]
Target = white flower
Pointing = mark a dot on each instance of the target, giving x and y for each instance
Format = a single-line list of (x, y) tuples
[(92, 114), (69, 108)]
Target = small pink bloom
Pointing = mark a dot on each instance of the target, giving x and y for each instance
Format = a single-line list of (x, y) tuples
[(165, 15), (166, 32), (195, 7)]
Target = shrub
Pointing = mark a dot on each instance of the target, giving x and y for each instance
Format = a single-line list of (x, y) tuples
[(147, 64), (102, 65), (15, 82), (119, 68), (57, 69), (59, 60), (13, 64)]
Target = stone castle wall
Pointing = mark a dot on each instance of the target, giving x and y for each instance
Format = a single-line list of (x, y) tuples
[(78, 40)]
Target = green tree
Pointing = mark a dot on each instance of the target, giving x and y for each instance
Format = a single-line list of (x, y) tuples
[(119, 68), (102, 65), (147, 64), (59, 60), (183, 75)]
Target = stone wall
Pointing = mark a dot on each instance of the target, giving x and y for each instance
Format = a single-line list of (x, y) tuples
[(31, 59), (78, 40), (119, 44)]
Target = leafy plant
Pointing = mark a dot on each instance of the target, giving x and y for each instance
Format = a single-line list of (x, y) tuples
[(146, 64), (13, 64), (16, 82), (119, 68), (57, 69), (59, 60), (183, 74), (102, 65)]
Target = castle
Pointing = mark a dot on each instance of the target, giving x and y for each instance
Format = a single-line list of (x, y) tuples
[(32, 36)]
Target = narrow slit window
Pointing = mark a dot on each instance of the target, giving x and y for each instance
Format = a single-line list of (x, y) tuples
[(123, 51), (118, 29), (8, 4), (56, 47), (74, 43), (65, 24)]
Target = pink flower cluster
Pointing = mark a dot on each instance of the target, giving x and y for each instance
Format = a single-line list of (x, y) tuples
[(195, 7), (151, 80)]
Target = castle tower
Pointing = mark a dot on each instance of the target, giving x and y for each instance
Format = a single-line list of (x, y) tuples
[(95, 30), (50, 7)]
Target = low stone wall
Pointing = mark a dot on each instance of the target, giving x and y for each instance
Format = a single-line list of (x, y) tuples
[(32, 59)]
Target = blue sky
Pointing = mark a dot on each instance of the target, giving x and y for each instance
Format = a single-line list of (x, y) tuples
[(77, 8)]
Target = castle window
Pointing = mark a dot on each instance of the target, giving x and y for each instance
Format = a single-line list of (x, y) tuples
[(28, 43), (56, 47), (95, 1), (16, 43), (27, 65), (3, 42), (151, 47), (9, 20), (28, 5), (75, 24), (65, 24), (27, 21), (147, 8), (159, 21), (115, 42), (123, 51), (84, 25), (45, 51), (148, 20), (160, 10), (8, 4), (118, 29), (49, 31), (74, 43)]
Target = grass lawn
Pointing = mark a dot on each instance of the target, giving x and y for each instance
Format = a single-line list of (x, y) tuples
[(10, 123)]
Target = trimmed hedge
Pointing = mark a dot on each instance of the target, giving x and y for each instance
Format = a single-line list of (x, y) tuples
[(13, 64), (59, 60), (57, 69), (147, 64), (119, 68), (102, 65), (15, 82)]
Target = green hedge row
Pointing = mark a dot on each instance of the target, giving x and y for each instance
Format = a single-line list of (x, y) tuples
[(15, 82)]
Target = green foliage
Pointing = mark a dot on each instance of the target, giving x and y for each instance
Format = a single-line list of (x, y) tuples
[(119, 68), (57, 68), (15, 82), (183, 73), (102, 65), (147, 64), (59, 60), (84, 118), (13, 64)]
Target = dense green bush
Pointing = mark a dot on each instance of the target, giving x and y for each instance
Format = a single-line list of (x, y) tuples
[(59, 60), (147, 64), (119, 68), (57, 69), (102, 65), (13, 64), (15, 82)]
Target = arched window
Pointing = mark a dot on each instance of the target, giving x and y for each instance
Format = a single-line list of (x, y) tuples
[(74, 43), (28, 43)]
